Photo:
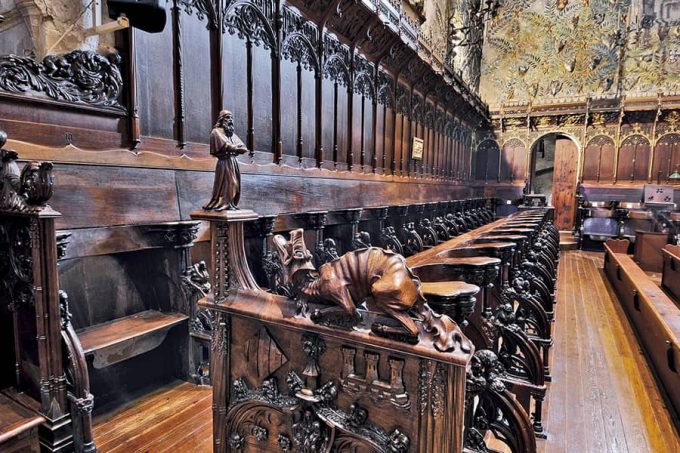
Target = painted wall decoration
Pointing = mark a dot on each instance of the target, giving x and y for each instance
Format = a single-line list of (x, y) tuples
[(548, 50), (434, 28), (466, 40)]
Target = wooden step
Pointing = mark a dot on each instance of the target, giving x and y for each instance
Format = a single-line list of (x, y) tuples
[(126, 337), (568, 241)]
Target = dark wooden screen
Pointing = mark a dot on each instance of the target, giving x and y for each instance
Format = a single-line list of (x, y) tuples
[(666, 157), (598, 159), (633, 164), (513, 161), (486, 161)]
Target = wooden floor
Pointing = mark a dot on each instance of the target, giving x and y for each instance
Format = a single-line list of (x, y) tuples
[(602, 398), (176, 418)]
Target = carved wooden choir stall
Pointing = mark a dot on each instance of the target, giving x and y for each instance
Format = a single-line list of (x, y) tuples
[(316, 350)]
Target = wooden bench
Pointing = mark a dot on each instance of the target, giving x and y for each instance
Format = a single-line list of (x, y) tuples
[(18, 427), (655, 316), (670, 277)]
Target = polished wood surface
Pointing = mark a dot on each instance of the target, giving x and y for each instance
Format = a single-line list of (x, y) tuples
[(671, 268), (175, 418), (127, 328), (655, 317), (603, 396), (18, 427), (459, 241)]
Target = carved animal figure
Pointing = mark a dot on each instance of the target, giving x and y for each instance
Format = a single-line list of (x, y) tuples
[(379, 277)]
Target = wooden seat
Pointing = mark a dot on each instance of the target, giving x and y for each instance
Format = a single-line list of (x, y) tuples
[(480, 270), (477, 249), (126, 337), (18, 427), (455, 299), (448, 290)]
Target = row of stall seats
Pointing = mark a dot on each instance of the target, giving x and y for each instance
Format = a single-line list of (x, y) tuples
[(497, 279), (132, 292), (653, 310)]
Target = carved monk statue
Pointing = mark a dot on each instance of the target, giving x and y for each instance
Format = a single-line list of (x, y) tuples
[(226, 146)]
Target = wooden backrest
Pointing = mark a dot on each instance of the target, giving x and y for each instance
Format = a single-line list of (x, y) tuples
[(617, 245)]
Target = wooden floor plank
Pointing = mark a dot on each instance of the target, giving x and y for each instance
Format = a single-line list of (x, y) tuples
[(622, 406), (150, 409), (137, 425), (619, 356), (575, 428), (591, 357)]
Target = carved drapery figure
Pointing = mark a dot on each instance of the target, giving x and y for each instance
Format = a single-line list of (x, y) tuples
[(226, 146)]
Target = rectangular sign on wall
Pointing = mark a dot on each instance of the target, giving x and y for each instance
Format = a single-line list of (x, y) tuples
[(417, 153)]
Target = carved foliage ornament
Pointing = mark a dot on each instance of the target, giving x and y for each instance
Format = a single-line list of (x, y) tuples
[(431, 387), (300, 40), (336, 60), (248, 21), (16, 261), (81, 77)]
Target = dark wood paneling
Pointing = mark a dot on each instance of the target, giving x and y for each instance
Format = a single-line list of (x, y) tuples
[(666, 157), (277, 194), (308, 113), (196, 54), (90, 196), (598, 160), (235, 87), (633, 163), (262, 99), (513, 161), (155, 88)]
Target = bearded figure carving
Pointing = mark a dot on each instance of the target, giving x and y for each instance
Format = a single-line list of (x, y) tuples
[(226, 146)]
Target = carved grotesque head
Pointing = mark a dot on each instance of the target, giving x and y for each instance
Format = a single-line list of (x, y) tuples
[(226, 121), (294, 255), (37, 182), (399, 442), (487, 371)]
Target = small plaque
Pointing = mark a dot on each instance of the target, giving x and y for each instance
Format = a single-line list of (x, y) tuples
[(658, 195), (417, 153)]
